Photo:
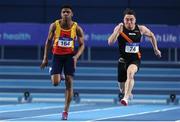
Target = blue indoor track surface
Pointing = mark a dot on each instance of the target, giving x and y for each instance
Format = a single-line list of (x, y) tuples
[(98, 90), (90, 111)]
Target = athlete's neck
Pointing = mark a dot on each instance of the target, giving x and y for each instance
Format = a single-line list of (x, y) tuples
[(66, 24), (130, 28)]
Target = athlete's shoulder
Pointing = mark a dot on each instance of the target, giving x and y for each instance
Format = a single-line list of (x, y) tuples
[(74, 25), (144, 30), (56, 23), (52, 26), (74, 22), (141, 26), (77, 25)]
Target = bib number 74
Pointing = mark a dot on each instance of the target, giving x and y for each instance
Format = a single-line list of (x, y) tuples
[(132, 48)]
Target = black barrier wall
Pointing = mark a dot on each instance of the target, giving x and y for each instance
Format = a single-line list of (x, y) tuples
[(91, 11)]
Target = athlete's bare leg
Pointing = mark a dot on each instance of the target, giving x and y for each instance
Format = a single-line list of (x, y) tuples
[(68, 92), (121, 89), (132, 69), (121, 86)]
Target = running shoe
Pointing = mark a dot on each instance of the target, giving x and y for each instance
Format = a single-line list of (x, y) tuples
[(124, 102), (64, 115)]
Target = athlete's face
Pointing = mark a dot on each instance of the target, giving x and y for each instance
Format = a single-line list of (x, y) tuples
[(66, 13), (129, 21)]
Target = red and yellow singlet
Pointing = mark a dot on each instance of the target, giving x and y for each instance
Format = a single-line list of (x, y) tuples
[(64, 40)]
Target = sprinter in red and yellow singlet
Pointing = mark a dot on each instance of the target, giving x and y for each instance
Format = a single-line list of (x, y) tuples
[(63, 33)]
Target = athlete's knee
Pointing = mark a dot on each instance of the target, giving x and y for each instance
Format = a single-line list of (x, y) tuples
[(68, 78), (69, 86), (55, 79), (55, 82)]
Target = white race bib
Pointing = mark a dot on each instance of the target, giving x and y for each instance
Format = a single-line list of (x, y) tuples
[(65, 42), (132, 48)]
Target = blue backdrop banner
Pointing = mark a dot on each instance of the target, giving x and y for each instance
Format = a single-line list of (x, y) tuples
[(96, 35)]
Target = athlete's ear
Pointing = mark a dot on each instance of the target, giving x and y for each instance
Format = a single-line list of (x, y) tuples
[(134, 20), (72, 14), (123, 20)]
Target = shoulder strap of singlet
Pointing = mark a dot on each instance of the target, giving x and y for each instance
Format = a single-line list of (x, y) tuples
[(58, 28)]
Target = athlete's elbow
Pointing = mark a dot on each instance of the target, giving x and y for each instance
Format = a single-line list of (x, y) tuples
[(152, 35), (82, 46), (48, 42)]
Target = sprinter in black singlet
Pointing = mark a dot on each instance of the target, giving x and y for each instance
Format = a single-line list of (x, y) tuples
[(129, 35)]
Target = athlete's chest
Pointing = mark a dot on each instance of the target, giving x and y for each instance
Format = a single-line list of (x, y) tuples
[(64, 33), (134, 35)]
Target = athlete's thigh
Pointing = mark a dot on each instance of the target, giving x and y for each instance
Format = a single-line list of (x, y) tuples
[(57, 65), (69, 68), (56, 69)]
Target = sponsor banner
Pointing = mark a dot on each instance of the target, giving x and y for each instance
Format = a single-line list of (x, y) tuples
[(96, 35)]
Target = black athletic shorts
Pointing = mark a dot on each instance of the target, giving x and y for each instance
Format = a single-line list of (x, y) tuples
[(123, 66), (63, 62)]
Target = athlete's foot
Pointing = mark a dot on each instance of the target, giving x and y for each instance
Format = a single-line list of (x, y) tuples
[(64, 115), (124, 102)]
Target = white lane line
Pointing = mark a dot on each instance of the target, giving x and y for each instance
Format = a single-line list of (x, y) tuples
[(39, 108), (93, 110), (134, 114), (15, 105), (10, 105)]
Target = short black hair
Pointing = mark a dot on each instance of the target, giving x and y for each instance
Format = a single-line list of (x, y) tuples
[(66, 6), (129, 11)]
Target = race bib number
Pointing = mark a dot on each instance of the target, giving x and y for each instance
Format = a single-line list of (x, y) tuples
[(132, 48), (65, 42)]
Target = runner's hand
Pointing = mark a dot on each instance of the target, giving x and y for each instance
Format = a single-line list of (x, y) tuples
[(118, 28), (157, 53), (44, 63)]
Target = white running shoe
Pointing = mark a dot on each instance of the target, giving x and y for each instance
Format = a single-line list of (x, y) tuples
[(124, 102)]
